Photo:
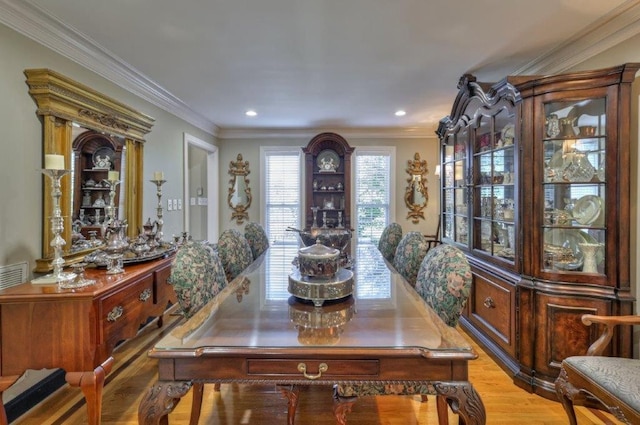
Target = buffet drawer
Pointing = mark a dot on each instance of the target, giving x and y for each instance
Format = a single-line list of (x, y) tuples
[(289, 367), (493, 309), (122, 312)]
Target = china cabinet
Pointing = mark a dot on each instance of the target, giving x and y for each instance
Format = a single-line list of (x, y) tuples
[(328, 182), (535, 189)]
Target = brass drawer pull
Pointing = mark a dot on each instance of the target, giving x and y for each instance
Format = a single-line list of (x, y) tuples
[(303, 368), (115, 313), (144, 295), (489, 303)]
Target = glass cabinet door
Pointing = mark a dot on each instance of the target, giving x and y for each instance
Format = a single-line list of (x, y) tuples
[(574, 186), (454, 188), (494, 186)]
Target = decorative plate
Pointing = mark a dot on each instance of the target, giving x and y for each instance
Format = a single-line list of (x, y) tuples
[(566, 241), (328, 161), (587, 209), (508, 133), (103, 158)]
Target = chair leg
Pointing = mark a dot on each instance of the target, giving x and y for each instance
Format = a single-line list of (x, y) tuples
[(443, 410), (196, 404), (566, 394)]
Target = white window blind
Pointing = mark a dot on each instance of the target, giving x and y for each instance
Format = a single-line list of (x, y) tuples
[(282, 198), (372, 194)]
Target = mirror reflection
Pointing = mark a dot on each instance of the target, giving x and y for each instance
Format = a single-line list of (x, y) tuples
[(416, 195), (239, 197)]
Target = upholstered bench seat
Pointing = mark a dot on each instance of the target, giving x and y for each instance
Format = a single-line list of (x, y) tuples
[(615, 375)]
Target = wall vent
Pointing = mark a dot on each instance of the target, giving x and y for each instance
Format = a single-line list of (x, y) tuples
[(13, 274)]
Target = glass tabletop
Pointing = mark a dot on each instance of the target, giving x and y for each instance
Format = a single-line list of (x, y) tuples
[(256, 312)]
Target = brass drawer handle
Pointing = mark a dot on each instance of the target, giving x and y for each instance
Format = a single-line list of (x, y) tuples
[(144, 295), (489, 303), (115, 313), (303, 368)]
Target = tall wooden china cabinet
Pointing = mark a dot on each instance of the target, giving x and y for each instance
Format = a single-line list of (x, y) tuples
[(535, 190), (328, 182)]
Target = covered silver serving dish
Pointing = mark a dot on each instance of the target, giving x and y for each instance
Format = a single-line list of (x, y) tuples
[(318, 260)]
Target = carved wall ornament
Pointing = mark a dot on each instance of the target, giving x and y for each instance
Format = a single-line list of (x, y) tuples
[(416, 195)]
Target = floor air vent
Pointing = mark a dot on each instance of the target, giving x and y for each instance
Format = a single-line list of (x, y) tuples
[(13, 274)]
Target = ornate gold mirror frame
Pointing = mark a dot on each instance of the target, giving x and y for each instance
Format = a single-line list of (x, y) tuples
[(62, 103), (416, 195), (239, 197)]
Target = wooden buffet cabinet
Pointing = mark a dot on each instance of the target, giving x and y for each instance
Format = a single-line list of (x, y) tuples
[(535, 189), (42, 326)]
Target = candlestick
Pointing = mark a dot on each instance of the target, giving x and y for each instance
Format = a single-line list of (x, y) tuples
[(159, 222), (53, 162), (63, 279), (110, 210)]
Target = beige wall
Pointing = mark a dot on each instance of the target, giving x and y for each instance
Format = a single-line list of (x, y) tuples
[(21, 157), (428, 148)]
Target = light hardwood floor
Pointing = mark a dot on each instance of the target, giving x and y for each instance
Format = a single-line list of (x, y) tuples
[(133, 373)]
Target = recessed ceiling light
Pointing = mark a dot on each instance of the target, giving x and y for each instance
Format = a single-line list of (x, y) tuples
[(251, 113), (401, 113)]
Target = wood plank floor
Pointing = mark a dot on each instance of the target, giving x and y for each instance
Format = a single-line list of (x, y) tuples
[(133, 373)]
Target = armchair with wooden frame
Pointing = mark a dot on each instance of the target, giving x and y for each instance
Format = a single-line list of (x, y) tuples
[(612, 382)]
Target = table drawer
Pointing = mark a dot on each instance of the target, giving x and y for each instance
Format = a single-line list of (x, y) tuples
[(334, 368), (121, 313), (163, 291)]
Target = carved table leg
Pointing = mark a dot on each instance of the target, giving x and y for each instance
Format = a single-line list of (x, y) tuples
[(291, 394), (342, 406), (464, 400), (91, 384), (160, 400)]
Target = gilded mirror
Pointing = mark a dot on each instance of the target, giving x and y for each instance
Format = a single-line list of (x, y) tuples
[(239, 197), (416, 195), (68, 110)]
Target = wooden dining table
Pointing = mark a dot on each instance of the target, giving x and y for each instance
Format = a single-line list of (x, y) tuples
[(256, 332)]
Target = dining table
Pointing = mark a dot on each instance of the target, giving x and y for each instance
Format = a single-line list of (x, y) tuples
[(256, 332)]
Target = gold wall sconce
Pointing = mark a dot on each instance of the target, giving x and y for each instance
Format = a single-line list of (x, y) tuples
[(239, 197), (416, 195)]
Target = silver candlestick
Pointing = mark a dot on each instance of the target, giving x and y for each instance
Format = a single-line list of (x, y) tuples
[(111, 210), (159, 221), (63, 279)]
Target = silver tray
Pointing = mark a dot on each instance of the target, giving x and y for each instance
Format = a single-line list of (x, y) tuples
[(318, 290), (99, 257)]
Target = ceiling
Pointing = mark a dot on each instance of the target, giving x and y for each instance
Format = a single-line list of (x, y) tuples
[(305, 64)]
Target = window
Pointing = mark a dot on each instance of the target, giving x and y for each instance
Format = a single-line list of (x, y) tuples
[(281, 199), (374, 178)]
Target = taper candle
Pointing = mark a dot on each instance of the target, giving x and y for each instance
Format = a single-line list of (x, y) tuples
[(158, 175), (54, 162), (113, 175)]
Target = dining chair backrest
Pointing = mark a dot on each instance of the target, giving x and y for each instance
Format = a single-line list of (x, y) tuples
[(389, 240), (409, 254), (256, 236), (444, 281), (197, 276), (235, 252)]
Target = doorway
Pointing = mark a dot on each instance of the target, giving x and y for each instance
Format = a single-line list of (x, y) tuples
[(200, 188)]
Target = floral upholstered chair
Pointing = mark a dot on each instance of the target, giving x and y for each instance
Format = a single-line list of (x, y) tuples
[(235, 252), (444, 282), (257, 238), (197, 276), (409, 254), (614, 382), (389, 241)]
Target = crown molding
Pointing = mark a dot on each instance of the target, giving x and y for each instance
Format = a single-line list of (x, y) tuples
[(348, 133), (608, 31), (34, 23)]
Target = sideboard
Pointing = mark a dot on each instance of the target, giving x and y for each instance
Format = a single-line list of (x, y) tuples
[(43, 326)]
